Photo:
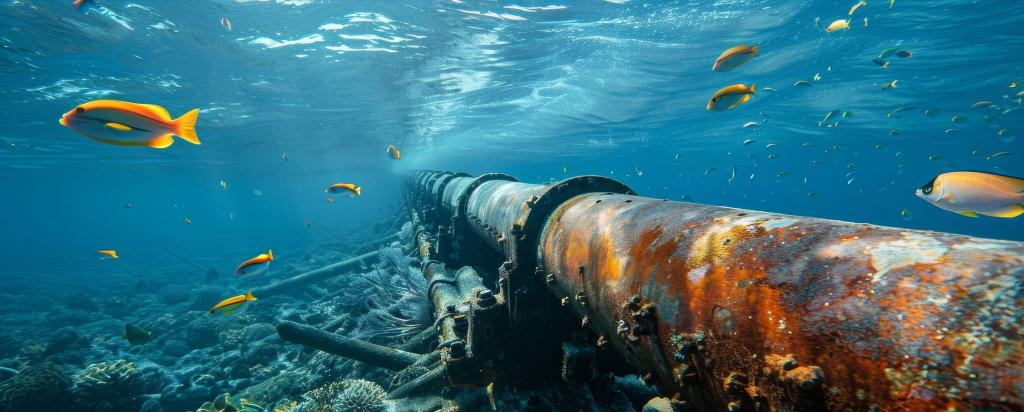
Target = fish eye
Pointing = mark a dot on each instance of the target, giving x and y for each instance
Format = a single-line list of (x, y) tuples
[(79, 110)]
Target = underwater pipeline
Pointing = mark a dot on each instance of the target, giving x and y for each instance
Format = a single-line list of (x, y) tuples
[(722, 308)]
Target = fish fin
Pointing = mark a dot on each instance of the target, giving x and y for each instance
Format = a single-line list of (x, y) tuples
[(754, 49), (186, 126), (742, 100), (968, 213), (270, 254), (118, 126), (159, 110), (1012, 211), (753, 85), (359, 190), (249, 296), (948, 197), (161, 142)]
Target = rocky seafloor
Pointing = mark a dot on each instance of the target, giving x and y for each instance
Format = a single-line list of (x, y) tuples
[(67, 353)]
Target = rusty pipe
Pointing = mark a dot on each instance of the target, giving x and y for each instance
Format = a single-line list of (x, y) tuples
[(737, 308)]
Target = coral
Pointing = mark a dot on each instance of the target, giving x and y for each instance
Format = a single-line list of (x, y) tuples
[(359, 395), (62, 340), (10, 345), (40, 387), (151, 405), (397, 293), (349, 395), (109, 386), (202, 333)]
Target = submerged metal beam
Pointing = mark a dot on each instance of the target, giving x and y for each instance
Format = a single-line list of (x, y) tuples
[(743, 310)]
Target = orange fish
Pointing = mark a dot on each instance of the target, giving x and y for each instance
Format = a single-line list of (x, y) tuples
[(77, 4), (232, 304), (256, 265), (226, 23), (394, 153), (342, 187), (730, 97), (108, 253), (130, 124), (734, 57)]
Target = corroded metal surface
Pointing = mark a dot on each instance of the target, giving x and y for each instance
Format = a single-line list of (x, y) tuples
[(749, 310)]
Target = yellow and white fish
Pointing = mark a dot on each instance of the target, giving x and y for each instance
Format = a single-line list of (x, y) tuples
[(974, 193), (130, 124), (345, 187), (108, 254), (730, 97), (838, 25), (734, 57), (232, 304), (256, 265), (393, 152)]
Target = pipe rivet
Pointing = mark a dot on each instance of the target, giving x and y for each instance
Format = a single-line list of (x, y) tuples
[(565, 301), (550, 278), (581, 297), (585, 321)]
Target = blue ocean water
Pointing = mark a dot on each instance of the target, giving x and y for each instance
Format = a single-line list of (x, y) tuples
[(300, 94)]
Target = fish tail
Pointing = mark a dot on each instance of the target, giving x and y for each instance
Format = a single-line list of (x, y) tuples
[(186, 125), (249, 296), (270, 254), (359, 190), (752, 85), (754, 50)]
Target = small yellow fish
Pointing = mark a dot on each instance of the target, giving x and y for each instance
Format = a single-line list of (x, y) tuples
[(982, 104), (223, 185), (130, 124), (393, 152), (865, 22), (730, 97), (342, 187), (112, 254), (232, 304), (890, 85), (891, 2), (838, 25), (188, 221), (226, 23), (974, 193), (859, 4), (256, 265), (958, 118), (734, 57), (77, 4)]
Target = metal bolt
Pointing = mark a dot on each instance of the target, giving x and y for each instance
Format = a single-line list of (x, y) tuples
[(486, 298), (565, 301), (585, 321), (581, 298), (550, 278), (458, 349)]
